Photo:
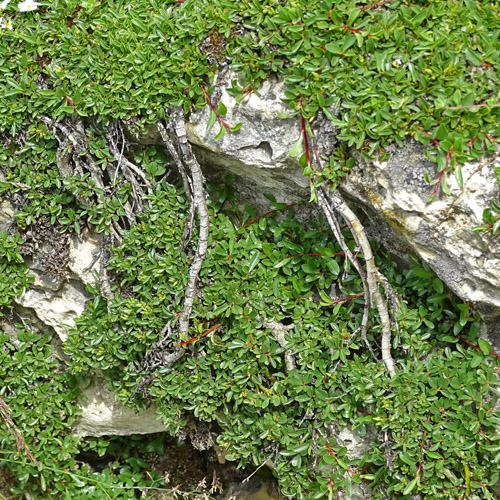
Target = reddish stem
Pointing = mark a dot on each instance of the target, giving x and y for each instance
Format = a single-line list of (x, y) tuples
[(257, 219), (210, 330), (363, 412), (311, 255), (70, 103), (374, 5), (221, 121), (436, 143), (304, 255), (449, 154), (306, 142), (471, 142), (476, 347), (438, 183), (332, 453), (354, 30), (346, 299)]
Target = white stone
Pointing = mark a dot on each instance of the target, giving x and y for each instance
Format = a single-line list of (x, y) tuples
[(103, 415), (58, 301), (57, 309), (440, 232)]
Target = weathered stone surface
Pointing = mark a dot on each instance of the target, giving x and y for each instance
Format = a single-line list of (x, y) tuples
[(103, 415), (6, 214), (257, 154), (52, 303), (355, 444), (57, 298)]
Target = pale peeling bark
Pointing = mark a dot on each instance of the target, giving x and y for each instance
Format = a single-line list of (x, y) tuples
[(186, 181), (279, 330), (163, 354), (332, 202), (204, 220), (338, 204), (334, 225), (128, 169)]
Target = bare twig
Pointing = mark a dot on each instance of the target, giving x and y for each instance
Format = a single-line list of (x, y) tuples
[(334, 225), (188, 186), (127, 167), (15, 432), (372, 274), (388, 451), (332, 202), (186, 181), (163, 355), (199, 198), (76, 135), (266, 460)]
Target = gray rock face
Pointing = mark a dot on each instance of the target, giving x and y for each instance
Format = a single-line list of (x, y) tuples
[(103, 415), (257, 154), (58, 295)]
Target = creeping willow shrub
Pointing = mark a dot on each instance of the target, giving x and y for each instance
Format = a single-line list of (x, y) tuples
[(437, 415), (377, 70)]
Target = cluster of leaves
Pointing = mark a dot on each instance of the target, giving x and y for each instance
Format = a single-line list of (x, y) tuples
[(272, 269), (119, 59), (72, 202), (15, 278), (41, 406), (38, 397), (41, 403), (152, 284)]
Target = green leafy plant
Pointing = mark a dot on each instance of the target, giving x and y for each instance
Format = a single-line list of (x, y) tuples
[(15, 277), (272, 396), (276, 359), (491, 219), (37, 411)]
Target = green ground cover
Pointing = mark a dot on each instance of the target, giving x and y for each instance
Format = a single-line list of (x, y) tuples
[(381, 73)]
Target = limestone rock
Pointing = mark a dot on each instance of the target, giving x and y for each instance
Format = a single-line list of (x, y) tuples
[(55, 308), (103, 415), (7, 209), (58, 295), (393, 194), (257, 154)]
